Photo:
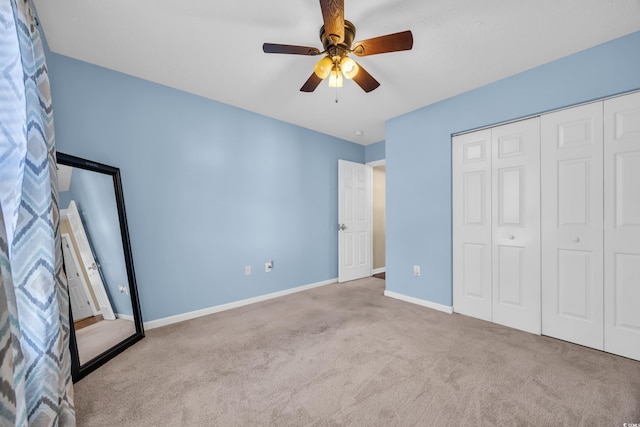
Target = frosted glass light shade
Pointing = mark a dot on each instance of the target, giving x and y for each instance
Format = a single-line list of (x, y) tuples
[(335, 78), (323, 67), (349, 67)]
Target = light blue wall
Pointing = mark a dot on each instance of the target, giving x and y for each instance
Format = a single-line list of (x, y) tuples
[(64, 198), (96, 201), (418, 153), (208, 188), (374, 152)]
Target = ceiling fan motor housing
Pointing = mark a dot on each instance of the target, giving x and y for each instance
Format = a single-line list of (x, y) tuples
[(341, 49)]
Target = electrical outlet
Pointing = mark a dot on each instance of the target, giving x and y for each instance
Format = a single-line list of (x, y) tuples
[(268, 266), (247, 270), (416, 270)]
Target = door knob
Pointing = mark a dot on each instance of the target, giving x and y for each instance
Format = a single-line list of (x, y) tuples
[(342, 227), (576, 239), (511, 237)]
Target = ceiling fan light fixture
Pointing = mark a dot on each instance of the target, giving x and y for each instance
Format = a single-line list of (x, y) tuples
[(349, 67), (335, 78), (337, 36), (323, 67)]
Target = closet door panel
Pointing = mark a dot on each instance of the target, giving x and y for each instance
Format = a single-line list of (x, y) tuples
[(516, 225), (622, 225), (510, 276), (572, 230), (471, 180)]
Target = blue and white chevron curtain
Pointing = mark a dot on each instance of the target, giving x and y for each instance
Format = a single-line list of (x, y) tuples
[(35, 372)]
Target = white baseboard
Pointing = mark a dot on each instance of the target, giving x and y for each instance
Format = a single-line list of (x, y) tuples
[(124, 316), (223, 307), (378, 270), (433, 305)]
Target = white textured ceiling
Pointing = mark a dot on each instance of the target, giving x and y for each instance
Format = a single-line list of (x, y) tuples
[(214, 49)]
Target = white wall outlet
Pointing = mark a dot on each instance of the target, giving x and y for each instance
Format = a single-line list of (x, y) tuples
[(247, 270), (268, 266), (416, 270)]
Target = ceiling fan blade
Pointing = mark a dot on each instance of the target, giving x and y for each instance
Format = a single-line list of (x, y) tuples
[(289, 49), (333, 15), (311, 84), (365, 80), (383, 44)]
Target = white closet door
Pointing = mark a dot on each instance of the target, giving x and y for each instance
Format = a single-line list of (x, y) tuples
[(572, 230), (516, 225), (622, 225), (471, 181)]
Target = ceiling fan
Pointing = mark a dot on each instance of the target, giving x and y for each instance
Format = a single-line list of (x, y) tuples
[(337, 36)]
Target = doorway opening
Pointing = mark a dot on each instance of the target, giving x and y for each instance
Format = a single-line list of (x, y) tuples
[(379, 218)]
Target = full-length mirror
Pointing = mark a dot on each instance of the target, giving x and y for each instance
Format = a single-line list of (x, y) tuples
[(105, 310)]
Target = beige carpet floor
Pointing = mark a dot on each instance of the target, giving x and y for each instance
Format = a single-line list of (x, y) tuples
[(344, 354), (97, 338)]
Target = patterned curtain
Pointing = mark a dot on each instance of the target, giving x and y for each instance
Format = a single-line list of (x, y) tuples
[(35, 372)]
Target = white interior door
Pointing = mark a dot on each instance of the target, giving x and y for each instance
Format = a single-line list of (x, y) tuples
[(354, 220), (81, 306), (471, 186), (89, 262), (572, 225), (622, 225), (516, 224)]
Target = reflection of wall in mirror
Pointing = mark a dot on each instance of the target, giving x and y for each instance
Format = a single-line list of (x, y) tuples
[(95, 197)]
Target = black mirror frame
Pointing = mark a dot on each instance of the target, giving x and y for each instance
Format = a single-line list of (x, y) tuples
[(77, 371)]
